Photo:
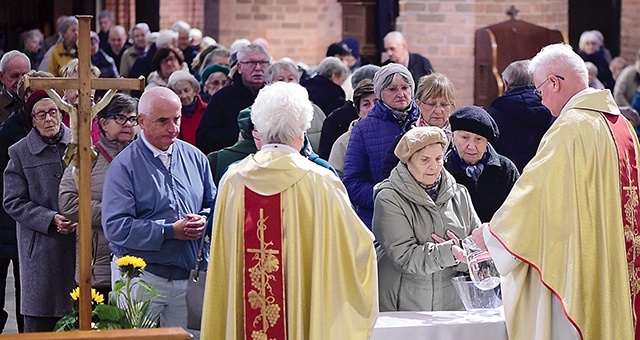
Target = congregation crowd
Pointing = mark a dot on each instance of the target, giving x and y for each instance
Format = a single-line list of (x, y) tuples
[(380, 172)]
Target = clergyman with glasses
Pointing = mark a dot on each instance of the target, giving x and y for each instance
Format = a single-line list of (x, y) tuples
[(117, 123), (219, 126), (46, 239), (565, 240)]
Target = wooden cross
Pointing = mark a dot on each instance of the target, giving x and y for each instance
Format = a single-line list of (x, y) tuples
[(82, 130)]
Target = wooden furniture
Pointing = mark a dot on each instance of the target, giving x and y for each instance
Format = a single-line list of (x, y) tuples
[(359, 22), (499, 45), (175, 333)]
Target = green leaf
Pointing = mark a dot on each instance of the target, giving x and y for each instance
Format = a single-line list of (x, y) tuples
[(108, 313), (67, 323), (117, 287), (113, 298), (149, 289)]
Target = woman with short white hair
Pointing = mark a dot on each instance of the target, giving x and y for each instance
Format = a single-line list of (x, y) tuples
[(592, 49), (185, 85)]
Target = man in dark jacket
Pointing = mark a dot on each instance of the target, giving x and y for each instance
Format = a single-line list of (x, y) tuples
[(520, 116), (13, 65), (325, 88), (396, 47), (474, 163), (338, 121), (219, 126)]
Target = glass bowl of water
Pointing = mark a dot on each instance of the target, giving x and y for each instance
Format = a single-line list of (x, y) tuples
[(474, 299)]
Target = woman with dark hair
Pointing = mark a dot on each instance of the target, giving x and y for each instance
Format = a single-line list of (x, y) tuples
[(117, 123), (166, 61), (363, 100)]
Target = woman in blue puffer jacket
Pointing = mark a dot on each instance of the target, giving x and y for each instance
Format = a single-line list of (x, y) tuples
[(372, 137)]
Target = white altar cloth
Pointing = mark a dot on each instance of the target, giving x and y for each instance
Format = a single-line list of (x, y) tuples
[(440, 325)]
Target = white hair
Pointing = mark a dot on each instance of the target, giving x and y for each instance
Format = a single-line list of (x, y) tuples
[(207, 41), (591, 67), (238, 44), (195, 33), (166, 38), (142, 26), (396, 36), (330, 66), (590, 36), (180, 26), (9, 56), (560, 57), (255, 48), (282, 113)]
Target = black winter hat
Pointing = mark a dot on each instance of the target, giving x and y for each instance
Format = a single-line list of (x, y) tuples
[(475, 119)]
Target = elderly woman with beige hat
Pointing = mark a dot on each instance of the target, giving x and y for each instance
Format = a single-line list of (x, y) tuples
[(415, 210)]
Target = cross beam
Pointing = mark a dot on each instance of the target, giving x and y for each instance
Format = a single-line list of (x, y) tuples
[(84, 84)]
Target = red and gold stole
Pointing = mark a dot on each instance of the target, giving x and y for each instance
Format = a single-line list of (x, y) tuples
[(630, 214), (264, 295)]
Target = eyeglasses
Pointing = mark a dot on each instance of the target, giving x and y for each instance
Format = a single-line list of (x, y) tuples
[(537, 90), (42, 115), (169, 59), (214, 83), (432, 105), (121, 120), (254, 63)]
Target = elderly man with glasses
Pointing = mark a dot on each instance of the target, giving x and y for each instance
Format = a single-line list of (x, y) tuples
[(565, 240), (13, 66), (219, 126)]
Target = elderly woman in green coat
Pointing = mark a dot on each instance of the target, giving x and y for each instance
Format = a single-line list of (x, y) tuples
[(420, 215)]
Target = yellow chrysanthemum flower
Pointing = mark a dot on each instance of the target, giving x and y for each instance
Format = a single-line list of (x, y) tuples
[(97, 297), (75, 294), (133, 261)]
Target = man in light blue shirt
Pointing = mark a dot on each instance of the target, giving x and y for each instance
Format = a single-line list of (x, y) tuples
[(156, 197)]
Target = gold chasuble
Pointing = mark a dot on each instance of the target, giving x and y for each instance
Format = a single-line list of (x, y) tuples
[(290, 259), (571, 221)]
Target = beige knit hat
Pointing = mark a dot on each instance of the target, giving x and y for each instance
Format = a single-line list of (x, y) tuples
[(416, 139)]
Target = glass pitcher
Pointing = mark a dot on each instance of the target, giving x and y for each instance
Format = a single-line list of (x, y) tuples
[(482, 269)]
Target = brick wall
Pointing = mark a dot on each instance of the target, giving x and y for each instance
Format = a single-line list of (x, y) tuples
[(191, 11), (444, 31), (299, 29), (125, 11), (630, 29)]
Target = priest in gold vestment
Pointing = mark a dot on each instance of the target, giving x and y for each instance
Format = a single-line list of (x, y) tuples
[(290, 259), (566, 240)]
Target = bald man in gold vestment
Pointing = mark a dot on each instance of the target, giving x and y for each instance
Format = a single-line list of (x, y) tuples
[(565, 239)]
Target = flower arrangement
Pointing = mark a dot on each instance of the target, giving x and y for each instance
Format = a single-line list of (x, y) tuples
[(125, 309)]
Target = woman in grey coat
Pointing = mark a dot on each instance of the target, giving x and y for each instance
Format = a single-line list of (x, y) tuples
[(46, 239), (117, 124), (415, 209)]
